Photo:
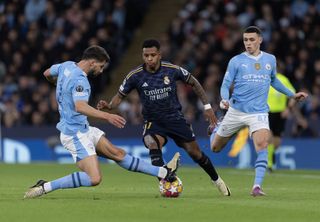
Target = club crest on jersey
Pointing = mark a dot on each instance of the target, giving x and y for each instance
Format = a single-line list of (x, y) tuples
[(257, 66), (166, 80), (268, 66)]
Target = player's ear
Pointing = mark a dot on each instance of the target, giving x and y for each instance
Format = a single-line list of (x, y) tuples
[(260, 39)]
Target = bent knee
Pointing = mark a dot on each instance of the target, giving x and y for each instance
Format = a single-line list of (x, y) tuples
[(262, 144), (96, 180), (216, 149)]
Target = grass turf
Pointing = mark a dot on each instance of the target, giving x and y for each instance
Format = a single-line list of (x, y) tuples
[(125, 196)]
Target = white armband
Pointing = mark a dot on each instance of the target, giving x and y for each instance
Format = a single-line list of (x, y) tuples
[(207, 106)]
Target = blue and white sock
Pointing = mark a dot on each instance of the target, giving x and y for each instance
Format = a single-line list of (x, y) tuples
[(260, 166), (137, 165), (74, 180)]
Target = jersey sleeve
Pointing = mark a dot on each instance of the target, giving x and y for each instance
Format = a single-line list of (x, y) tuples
[(127, 85), (275, 82), (227, 80), (54, 69), (183, 74), (80, 90)]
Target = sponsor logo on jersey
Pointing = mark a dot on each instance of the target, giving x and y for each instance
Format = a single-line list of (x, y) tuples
[(145, 84)]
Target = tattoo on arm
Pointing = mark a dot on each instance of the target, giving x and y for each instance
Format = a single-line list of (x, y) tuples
[(197, 88)]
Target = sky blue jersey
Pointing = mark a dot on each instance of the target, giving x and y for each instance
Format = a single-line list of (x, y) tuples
[(72, 86), (251, 77)]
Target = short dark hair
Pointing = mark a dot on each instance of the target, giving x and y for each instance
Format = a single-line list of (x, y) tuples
[(149, 43), (253, 29), (96, 52)]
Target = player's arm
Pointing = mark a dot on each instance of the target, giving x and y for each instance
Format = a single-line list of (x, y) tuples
[(84, 108), (299, 96), (226, 84), (50, 77), (114, 103), (208, 111)]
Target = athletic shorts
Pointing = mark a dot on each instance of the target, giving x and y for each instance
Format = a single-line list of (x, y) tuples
[(82, 145), (277, 123), (234, 120), (178, 130)]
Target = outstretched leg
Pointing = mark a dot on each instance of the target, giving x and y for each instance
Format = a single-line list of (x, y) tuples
[(204, 162), (106, 149), (90, 176)]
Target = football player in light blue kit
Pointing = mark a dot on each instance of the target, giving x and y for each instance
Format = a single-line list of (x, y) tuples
[(251, 74), (83, 141)]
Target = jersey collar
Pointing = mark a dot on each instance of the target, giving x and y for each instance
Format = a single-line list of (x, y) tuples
[(254, 57)]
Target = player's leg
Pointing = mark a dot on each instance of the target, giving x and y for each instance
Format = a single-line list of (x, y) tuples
[(155, 143), (83, 153), (232, 122), (106, 149), (260, 140), (192, 148), (154, 139)]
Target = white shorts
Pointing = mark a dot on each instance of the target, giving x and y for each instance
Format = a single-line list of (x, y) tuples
[(82, 145), (234, 120)]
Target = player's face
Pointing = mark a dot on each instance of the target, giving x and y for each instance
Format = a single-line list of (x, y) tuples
[(96, 67), (252, 42), (151, 57)]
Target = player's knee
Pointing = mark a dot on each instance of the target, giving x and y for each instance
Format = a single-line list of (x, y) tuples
[(262, 144), (96, 180), (150, 142), (215, 149)]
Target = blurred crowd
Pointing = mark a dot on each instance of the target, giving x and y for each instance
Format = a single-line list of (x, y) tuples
[(206, 34), (202, 38), (34, 34)]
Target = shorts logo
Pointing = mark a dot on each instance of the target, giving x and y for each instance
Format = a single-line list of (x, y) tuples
[(268, 66), (79, 88), (257, 66), (166, 80)]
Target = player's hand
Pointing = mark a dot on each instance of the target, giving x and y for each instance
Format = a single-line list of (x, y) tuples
[(299, 96), (224, 104), (210, 116), (116, 120), (102, 104)]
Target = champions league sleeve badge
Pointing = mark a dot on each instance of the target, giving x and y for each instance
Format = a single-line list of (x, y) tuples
[(79, 88)]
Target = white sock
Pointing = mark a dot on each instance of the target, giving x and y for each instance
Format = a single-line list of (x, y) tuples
[(162, 172), (47, 187)]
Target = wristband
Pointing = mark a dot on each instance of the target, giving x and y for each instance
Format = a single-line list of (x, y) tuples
[(207, 106)]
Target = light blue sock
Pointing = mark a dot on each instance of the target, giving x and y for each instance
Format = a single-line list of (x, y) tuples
[(260, 166), (137, 165), (74, 180)]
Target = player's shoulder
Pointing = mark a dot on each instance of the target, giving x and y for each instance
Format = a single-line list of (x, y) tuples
[(269, 55), (169, 65), (134, 71)]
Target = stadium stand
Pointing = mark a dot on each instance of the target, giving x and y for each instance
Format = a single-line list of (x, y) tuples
[(37, 33), (202, 37)]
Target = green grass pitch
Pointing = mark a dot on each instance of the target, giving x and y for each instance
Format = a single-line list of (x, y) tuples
[(292, 196)]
